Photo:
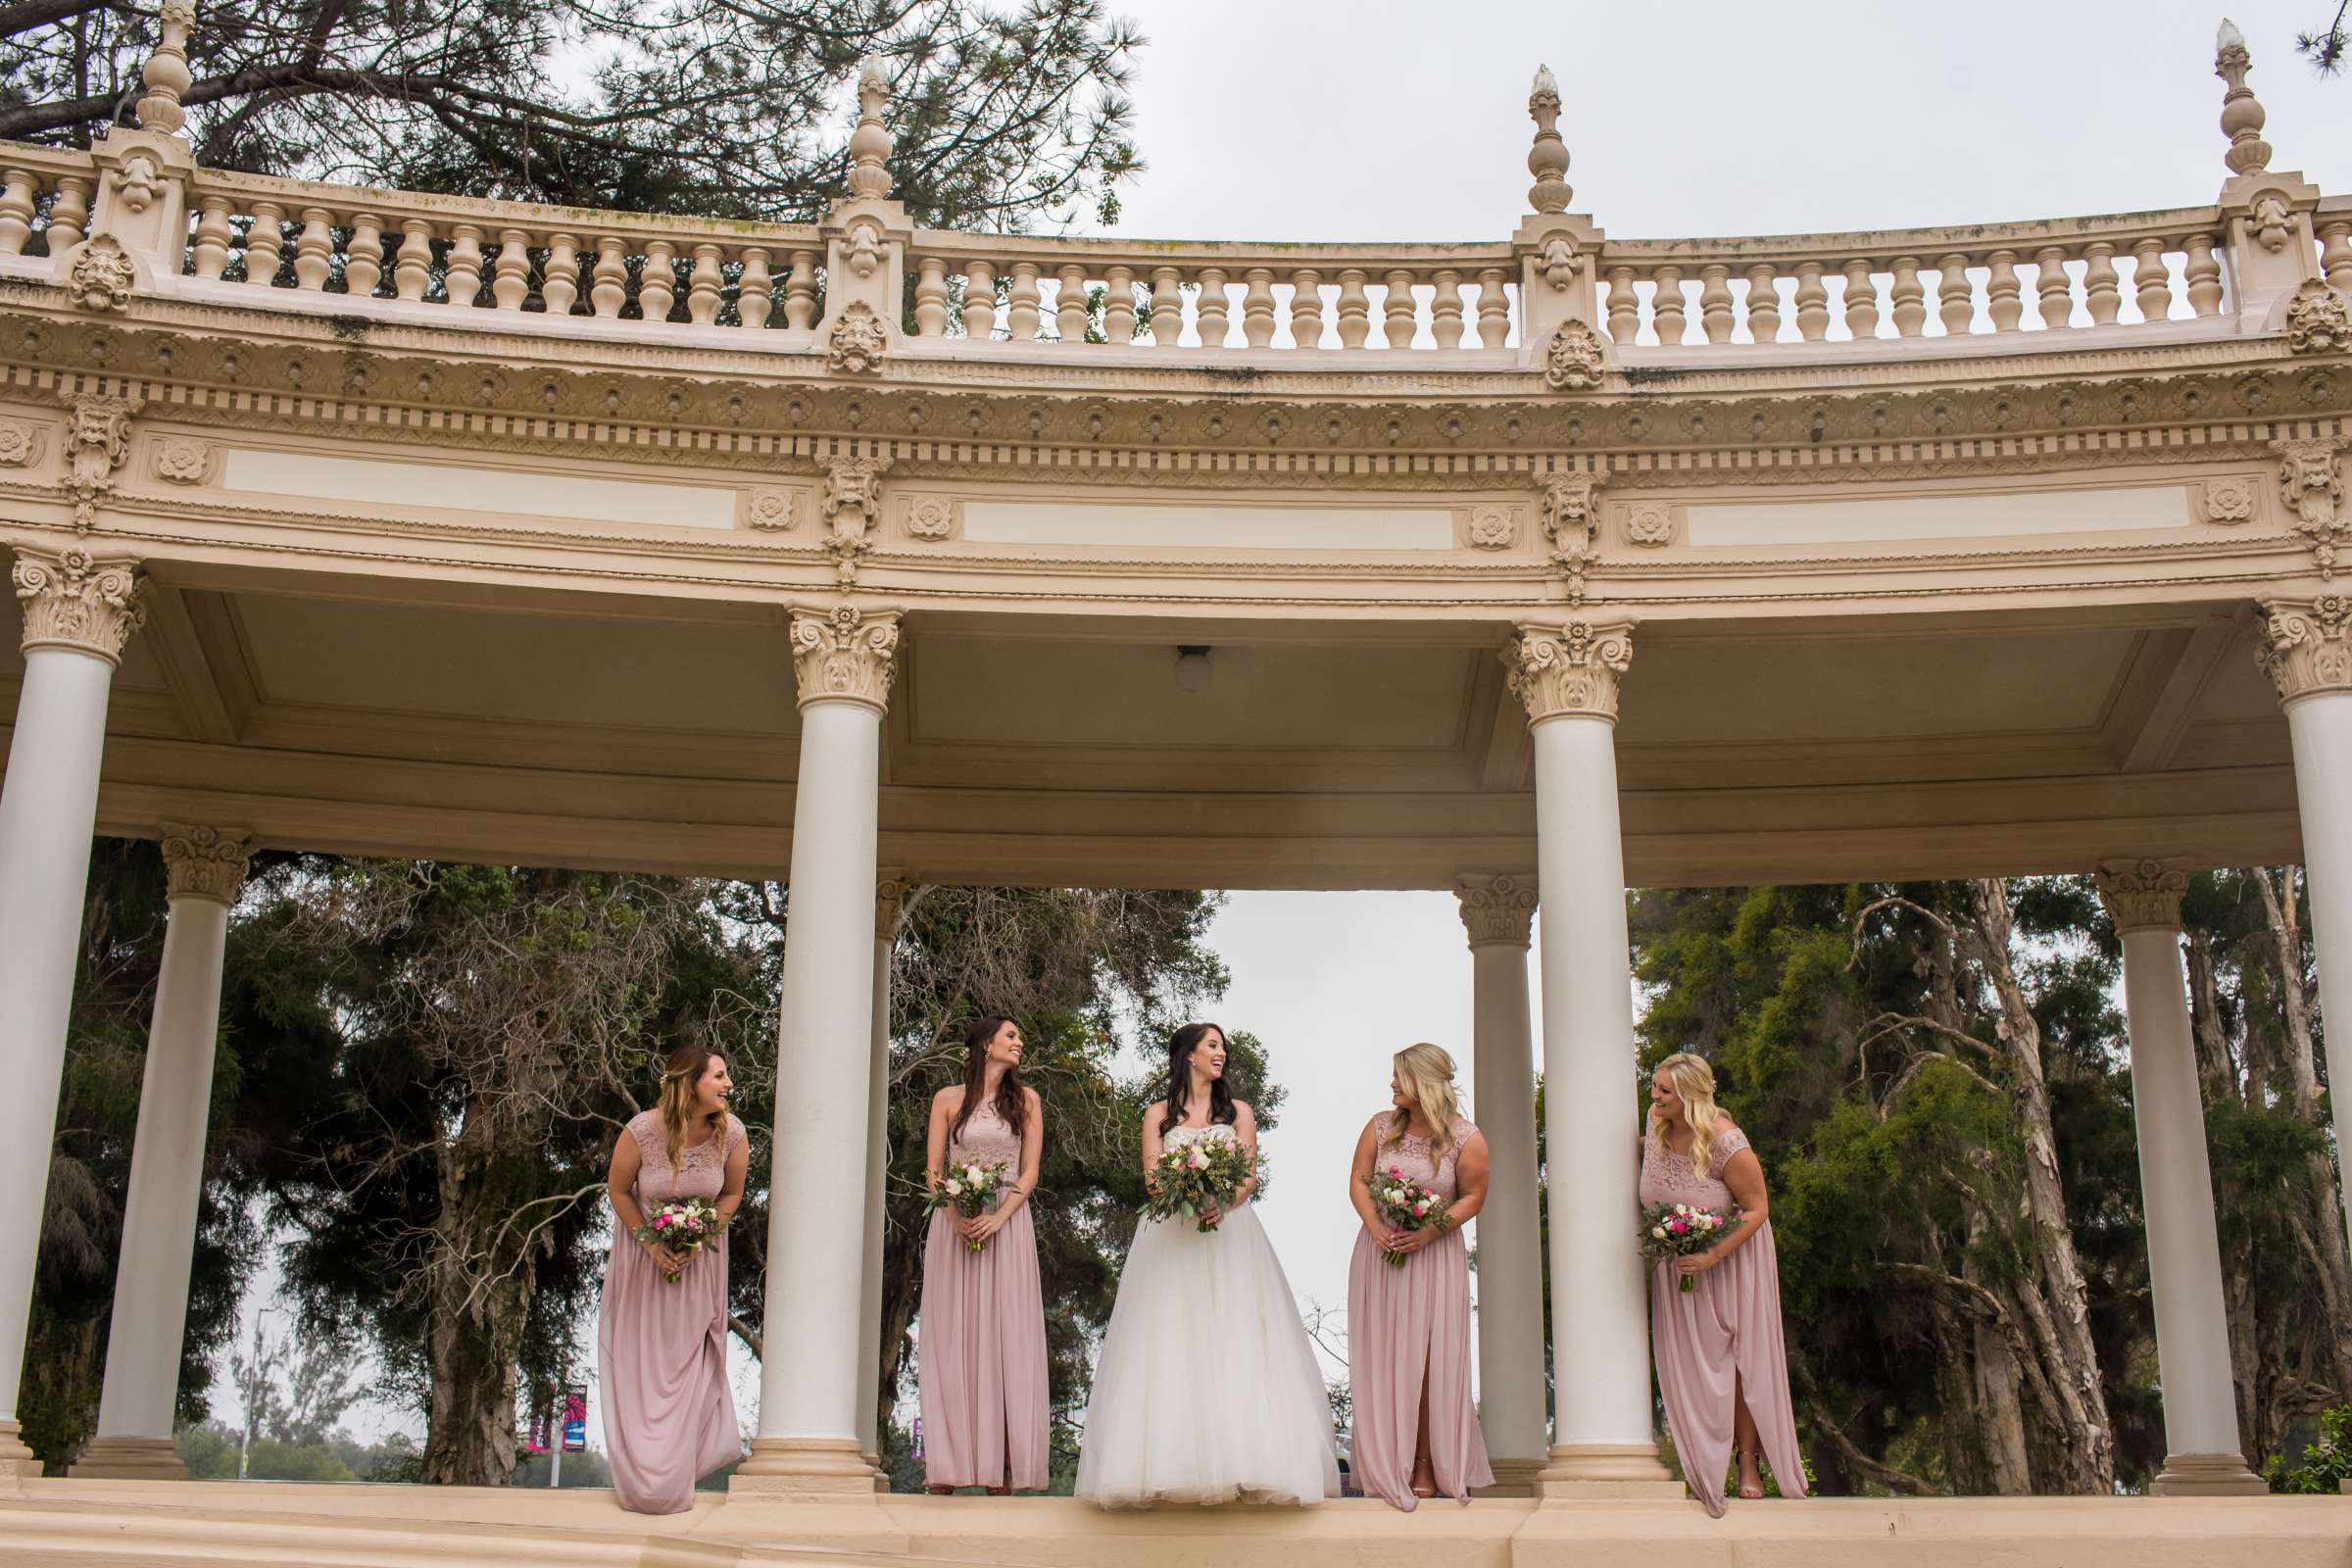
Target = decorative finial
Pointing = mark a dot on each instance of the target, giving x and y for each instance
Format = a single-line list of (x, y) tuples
[(1548, 159), (166, 72), (870, 144), (2242, 111)]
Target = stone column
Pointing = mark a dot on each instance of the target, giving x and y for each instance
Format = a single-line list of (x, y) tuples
[(1497, 910), (2202, 1456), (1603, 1444), (205, 867), (79, 610), (812, 1398), (890, 889)]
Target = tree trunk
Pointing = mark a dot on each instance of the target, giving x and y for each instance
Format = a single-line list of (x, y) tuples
[(477, 1304)]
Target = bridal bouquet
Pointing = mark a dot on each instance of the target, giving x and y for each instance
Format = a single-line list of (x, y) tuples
[(1407, 1205), (1209, 1174), (1676, 1230), (971, 1190), (685, 1226)]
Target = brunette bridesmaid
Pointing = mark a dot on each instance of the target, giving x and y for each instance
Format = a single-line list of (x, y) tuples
[(1408, 1325), (1723, 1366), (983, 1328), (669, 1412)]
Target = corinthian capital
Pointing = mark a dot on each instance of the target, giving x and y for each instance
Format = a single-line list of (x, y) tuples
[(78, 599), (2304, 649), (2142, 894), (1570, 670), (1497, 910), (204, 863), (842, 656), (890, 897)]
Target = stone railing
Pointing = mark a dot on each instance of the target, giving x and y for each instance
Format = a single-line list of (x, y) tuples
[(44, 191)]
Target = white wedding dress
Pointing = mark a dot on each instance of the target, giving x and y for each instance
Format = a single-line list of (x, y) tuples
[(1207, 1389)]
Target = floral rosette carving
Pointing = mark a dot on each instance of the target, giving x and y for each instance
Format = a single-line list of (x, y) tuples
[(1571, 671), (79, 601), (19, 443), (840, 655)]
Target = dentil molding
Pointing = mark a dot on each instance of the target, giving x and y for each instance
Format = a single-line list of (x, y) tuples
[(75, 599), (844, 655), (2304, 649), (1570, 671), (204, 863), (1497, 910), (2142, 894)]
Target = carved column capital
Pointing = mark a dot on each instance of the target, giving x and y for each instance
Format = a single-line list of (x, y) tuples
[(1571, 671), (206, 862), (1497, 910), (890, 897), (75, 599), (844, 654), (2304, 648), (2142, 894)]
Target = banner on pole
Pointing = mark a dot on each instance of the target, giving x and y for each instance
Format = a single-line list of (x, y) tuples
[(575, 1418)]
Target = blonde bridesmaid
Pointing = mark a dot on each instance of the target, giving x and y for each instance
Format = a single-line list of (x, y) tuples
[(1408, 1325), (983, 1326), (1723, 1366)]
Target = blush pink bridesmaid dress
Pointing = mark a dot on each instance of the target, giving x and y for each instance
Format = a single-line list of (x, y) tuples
[(1409, 1322), (669, 1411), (982, 1338), (1720, 1338)]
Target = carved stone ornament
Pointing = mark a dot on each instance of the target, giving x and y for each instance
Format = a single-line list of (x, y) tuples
[(2304, 649), (1492, 527), (100, 275), (1557, 258), (2318, 321), (2226, 501), (137, 180), (2142, 894), (204, 863), (930, 517), (19, 443), (2273, 221), (864, 244), (840, 655), (890, 897), (1571, 527), (1497, 910), (79, 601), (1650, 525), (1569, 672), (97, 436), (773, 509), (858, 343), (2314, 486), (183, 460), (1575, 359), (852, 504)]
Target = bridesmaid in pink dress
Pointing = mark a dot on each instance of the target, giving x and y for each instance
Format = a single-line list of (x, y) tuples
[(1416, 1430), (982, 1334), (1723, 1366), (669, 1411)]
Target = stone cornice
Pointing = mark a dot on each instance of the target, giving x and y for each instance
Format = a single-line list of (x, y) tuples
[(2304, 648), (80, 600), (1497, 910), (204, 863), (1570, 670), (843, 654), (2142, 894)]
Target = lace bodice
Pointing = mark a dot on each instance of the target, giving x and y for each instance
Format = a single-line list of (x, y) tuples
[(701, 1170), (1669, 1178), (987, 1140), (1411, 1154), (1215, 1132)]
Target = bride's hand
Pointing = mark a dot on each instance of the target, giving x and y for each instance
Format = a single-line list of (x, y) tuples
[(1212, 1214)]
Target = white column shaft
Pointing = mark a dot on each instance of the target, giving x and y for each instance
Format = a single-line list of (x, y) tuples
[(48, 807), (167, 1176), (1510, 1263), (1600, 1322), (2320, 727), (877, 1168)]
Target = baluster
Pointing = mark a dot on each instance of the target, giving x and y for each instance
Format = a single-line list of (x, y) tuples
[(705, 291), (1397, 314), (69, 214), (464, 280), (559, 284), (1625, 306), (1119, 304), (1355, 309), (1908, 300), (1307, 309), (363, 257), (412, 265), (2003, 303), (1446, 323), (213, 234), (2205, 275), (2335, 256), (1763, 303), (1167, 307), (756, 288), (313, 250), (799, 292), (658, 280), (264, 242), (2053, 291), (1666, 306), (2100, 294), (1861, 301), (1258, 307), (17, 187), (1812, 303), (1955, 299), (1494, 309), (931, 298), (2151, 280), (979, 301), (1069, 303), (1023, 317), (608, 280), (511, 274), (1215, 317), (1715, 301)]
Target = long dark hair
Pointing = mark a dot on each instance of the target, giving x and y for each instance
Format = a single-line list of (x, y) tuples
[(1010, 1104), (1181, 1044)]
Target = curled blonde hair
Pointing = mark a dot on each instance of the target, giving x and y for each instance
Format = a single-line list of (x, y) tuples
[(679, 1076), (1426, 1074), (1694, 1081)]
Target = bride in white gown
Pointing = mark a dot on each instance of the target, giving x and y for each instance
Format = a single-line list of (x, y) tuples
[(1207, 1391)]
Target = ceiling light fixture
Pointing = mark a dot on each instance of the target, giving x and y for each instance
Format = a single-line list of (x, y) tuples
[(1192, 667)]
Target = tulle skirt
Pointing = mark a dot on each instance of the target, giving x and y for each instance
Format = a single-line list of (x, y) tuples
[(1208, 1389)]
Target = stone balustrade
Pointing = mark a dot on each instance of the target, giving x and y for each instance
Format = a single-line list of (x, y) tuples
[(44, 198)]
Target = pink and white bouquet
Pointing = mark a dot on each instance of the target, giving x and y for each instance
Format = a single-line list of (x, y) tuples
[(1678, 1230), (683, 1227), (970, 1189), (1405, 1204), (1196, 1177)]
